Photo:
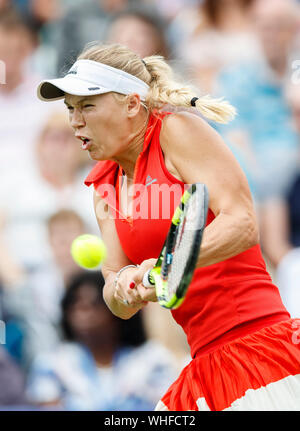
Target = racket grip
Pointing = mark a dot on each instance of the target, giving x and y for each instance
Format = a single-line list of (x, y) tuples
[(147, 280)]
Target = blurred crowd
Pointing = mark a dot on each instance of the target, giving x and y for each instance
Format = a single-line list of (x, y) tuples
[(62, 348)]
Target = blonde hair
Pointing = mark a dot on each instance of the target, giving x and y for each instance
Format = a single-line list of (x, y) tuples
[(164, 88)]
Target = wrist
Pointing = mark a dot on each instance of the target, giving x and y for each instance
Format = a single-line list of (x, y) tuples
[(122, 270)]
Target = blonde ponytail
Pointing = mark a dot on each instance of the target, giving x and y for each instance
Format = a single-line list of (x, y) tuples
[(164, 88)]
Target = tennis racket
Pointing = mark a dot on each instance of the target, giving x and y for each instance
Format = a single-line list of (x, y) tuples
[(175, 266)]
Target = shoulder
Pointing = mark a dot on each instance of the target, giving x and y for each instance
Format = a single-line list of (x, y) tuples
[(181, 121), (197, 152), (186, 133), (187, 124)]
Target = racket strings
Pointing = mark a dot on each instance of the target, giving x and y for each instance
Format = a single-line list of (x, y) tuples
[(186, 230)]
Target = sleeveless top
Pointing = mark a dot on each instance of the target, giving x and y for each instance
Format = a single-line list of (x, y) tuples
[(225, 300)]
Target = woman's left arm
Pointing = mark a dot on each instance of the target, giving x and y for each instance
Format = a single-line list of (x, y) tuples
[(197, 153)]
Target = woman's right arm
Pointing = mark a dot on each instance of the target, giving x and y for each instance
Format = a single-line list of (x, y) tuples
[(116, 259)]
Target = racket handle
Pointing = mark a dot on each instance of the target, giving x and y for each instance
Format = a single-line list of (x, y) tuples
[(147, 279)]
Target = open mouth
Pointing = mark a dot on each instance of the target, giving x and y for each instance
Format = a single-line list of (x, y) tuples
[(86, 143)]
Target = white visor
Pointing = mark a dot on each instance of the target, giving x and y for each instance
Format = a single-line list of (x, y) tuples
[(89, 78)]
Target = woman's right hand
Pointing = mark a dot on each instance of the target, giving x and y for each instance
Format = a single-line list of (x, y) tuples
[(129, 288), (125, 289)]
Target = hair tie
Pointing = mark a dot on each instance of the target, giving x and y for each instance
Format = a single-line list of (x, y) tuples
[(144, 63), (194, 100)]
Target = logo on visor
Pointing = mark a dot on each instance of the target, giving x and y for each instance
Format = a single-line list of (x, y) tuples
[(94, 88), (73, 70)]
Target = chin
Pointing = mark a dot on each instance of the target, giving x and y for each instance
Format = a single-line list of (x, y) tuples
[(99, 157), (94, 156)]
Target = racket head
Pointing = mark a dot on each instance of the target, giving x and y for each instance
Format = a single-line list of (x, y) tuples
[(176, 265)]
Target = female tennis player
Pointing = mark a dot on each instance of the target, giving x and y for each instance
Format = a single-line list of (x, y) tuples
[(245, 347)]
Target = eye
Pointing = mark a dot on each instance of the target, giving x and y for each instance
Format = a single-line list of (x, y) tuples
[(70, 108), (88, 106)]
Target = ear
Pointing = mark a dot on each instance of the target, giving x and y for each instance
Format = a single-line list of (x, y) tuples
[(133, 105)]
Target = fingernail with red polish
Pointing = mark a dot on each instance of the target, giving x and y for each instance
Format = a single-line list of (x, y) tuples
[(132, 285)]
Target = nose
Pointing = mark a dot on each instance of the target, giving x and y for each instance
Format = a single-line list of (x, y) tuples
[(76, 119)]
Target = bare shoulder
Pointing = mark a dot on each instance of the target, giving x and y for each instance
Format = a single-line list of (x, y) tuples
[(182, 119), (187, 132), (198, 154)]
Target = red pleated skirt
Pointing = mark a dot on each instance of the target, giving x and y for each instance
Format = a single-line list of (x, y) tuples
[(258, 372)]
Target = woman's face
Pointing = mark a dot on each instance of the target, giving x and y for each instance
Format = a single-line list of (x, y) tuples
[(102, 121)]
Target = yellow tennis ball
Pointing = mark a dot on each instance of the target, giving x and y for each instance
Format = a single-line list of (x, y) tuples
[(88, 251)]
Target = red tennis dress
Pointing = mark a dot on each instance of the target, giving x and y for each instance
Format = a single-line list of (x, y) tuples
[(245, 347)]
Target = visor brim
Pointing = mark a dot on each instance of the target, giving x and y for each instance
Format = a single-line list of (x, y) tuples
[(55, 89)]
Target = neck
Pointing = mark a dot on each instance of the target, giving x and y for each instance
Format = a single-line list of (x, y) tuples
[(134, 144)]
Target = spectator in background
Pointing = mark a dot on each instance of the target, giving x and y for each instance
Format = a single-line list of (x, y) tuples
[(63, 227), (44, 11), (14, 331), (10, 275), (169, 9), (53, 182), (45, 15), (262, 132), (149, 27), (22, 114), (84, 22), (101, 366), (32, 302), (221, 36), (4, 4), (12, 382), (280, 223), (37, 300)]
